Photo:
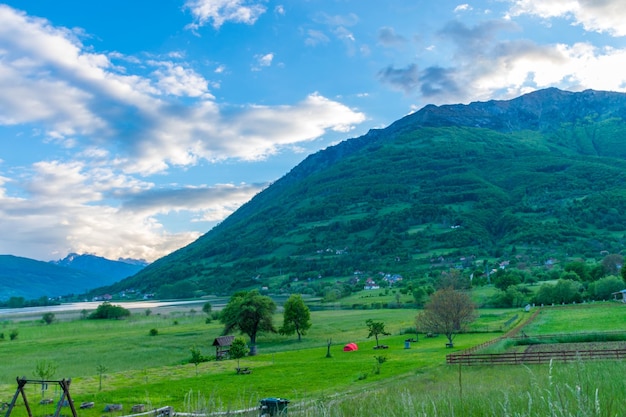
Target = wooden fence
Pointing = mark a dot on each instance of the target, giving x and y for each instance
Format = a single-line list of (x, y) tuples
[(518, 358)]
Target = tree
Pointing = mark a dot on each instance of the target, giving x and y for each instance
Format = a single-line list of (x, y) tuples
[(206, 309), (196, 357), (448, 312), (101, 369), (107, 310), (612, 263), (564, 291), (509, 278), (418, 295), (45, 370), (48, 318), (604, 288), (250, 313), (238, 349), (296, 317), (376, 328), (580, 268)]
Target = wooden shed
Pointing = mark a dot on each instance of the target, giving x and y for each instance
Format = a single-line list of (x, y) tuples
[(222, 346), (620, 296)]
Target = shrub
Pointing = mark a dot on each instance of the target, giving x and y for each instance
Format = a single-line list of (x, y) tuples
[(153, 332), (48, 318), (13, 334), (108, 311)]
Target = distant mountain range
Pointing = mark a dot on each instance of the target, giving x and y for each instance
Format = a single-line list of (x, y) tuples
[(527, 182), (75, 274)]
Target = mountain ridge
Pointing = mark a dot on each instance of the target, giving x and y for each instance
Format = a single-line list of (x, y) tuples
[(533, 172), (75, 274)]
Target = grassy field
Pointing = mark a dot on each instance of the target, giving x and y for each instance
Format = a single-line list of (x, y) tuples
[(152, 370)]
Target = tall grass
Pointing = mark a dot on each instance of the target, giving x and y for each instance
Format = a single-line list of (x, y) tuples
[(152, 370), (589, 389)]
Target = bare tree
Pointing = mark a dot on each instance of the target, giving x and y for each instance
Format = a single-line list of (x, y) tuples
[(448, 312)]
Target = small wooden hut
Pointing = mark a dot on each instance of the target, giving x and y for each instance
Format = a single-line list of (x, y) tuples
[(222, 346)]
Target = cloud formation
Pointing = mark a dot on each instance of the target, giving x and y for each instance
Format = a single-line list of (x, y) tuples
[(122, 119), (608, 16), (486, 63), (218, 12)]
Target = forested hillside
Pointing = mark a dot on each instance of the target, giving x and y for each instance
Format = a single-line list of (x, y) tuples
[(530, 182), (23, 279)]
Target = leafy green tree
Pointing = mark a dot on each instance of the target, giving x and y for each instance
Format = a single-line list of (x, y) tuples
[(612, 263), (296, 317), (507, 279), (418, 295), (107, 310), (448, 312), (604, 288), (580, 268), (564, 291), (238, 349), (250, 313), (379, 362), (16, 302), (48, 318), (197, 357), (45, 370), (376, 328), (207, 309), (101, 369), (512, 297)]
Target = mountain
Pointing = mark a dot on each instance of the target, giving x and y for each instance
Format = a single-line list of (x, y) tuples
[(534, 180), (107, 269), (76, 274)]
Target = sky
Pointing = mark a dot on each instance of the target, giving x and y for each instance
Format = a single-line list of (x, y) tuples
[(130, 128)]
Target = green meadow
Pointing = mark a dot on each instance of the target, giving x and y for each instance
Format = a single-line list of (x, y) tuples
[(140, 368)]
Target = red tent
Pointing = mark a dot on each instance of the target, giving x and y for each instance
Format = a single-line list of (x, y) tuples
[(350, 347)]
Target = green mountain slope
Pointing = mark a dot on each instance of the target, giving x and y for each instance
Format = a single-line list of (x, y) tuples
[(536, 177), (76, 274)]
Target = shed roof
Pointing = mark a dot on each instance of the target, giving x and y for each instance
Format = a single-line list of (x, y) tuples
[(223, 341)]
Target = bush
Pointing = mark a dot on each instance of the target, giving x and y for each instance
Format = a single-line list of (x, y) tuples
[(153, 332), (108, 311), (13, 334), (48, 318)]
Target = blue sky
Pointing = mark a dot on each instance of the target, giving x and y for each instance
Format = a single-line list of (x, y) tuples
[(130, 128)]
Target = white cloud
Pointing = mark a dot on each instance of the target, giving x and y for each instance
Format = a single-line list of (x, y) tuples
[(315, 37), (462, 8), (608, 16), (218, 12), (574, 67), (67, 209), (118, 119), (264, 60), (179, 81), (485, 67), (77, 95)]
